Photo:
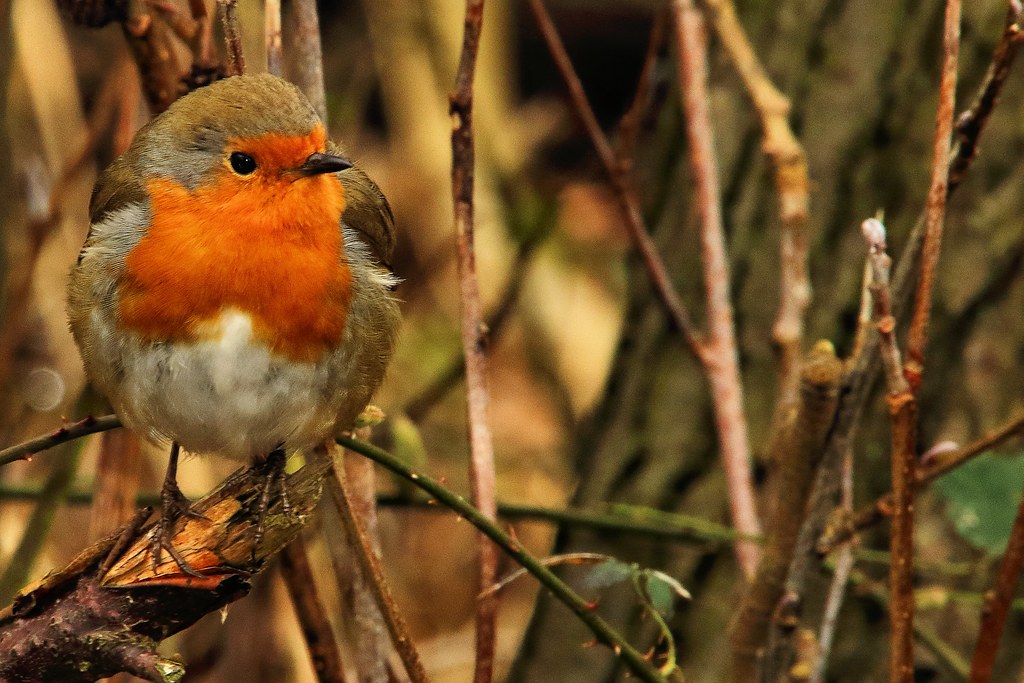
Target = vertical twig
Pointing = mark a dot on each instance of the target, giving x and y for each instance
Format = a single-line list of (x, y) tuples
[(630, 211), (371, 570), (232, 36), (272, 35), (917, 337), (791, 183), (629, 124), (997, 603), (473, 341), (316, 627), (372, 639), (307, 54), (720, 348), (837, 589), (903, 416)]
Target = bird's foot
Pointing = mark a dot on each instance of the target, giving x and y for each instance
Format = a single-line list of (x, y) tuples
[(174, 505), (274, 477)]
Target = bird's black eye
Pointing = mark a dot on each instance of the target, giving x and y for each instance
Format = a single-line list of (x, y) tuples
[(241, 163)]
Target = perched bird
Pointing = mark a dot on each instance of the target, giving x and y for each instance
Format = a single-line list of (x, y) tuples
[(233, 295)]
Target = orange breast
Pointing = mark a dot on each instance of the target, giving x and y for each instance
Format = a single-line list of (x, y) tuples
[(269, 246)]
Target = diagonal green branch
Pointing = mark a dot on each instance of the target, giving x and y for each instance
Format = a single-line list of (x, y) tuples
[(604, 632)]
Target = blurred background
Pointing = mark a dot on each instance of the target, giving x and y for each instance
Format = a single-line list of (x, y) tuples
[(594, 400)]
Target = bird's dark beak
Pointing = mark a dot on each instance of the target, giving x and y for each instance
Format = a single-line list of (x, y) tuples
[(319, 163)]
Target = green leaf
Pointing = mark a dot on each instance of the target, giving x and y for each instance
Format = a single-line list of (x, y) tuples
[(662, 591), (608, 573), (982, 497)]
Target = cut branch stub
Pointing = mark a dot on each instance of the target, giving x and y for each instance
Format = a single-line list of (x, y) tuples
[(79, 624)]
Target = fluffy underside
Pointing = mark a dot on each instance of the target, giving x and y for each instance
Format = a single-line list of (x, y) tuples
[(228, 394)]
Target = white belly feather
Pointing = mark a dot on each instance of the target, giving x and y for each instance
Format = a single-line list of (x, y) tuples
[(228, 394)]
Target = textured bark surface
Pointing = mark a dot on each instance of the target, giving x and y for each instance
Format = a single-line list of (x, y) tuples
[(107, 610)]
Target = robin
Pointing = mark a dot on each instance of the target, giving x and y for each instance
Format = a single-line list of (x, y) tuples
[(233, 295)]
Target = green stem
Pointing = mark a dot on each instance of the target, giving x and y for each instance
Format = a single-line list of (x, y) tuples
[(584, 610)]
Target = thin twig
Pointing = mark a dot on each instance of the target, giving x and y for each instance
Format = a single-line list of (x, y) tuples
[(370, 567), (307, 55), (903, 416), (603, 632), (720, 348), (625, 199), (232, 36), (481, 467), (26, 449), (791, 182), (917, 337), (272, 36), (629, 124), (997, 603), (970, 123), (312, 615), (837, 589)]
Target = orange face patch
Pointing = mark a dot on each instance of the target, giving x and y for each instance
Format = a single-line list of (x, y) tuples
[(268, 244)]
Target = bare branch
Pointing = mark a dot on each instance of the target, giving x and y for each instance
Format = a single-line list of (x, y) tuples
[(232, 36), (312, 615), (720, 351), (307, 54), (791, 183), (903, 416), (917, 337), (373, 574), (97, 617), (481, 466), (819, 387), (997, 603)]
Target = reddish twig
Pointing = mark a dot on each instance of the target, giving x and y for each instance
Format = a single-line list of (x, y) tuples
[(629, 124), (790, 165), (720, 348), (307, 54), (625, 200), (312, 615), (272, 35), (473, 339), (903, 415), (997, 603), (232, 36), (970, 123), (917, 337)]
